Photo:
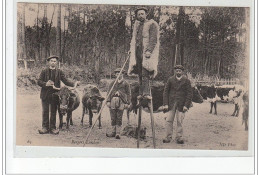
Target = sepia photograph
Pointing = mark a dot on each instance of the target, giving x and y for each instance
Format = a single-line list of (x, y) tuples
[(133, 76)]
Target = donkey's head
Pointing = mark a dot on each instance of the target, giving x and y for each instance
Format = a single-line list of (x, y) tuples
[(64, 99)]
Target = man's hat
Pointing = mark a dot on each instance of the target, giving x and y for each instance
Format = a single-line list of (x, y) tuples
[(53, 56), (179, 67), (118, 70), (141, 8)]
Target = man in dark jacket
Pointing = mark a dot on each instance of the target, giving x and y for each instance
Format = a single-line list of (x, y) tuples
[(50, 77), (177, 100), (118, 100)]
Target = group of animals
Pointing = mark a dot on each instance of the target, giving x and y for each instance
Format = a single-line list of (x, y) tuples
[(68, 100)]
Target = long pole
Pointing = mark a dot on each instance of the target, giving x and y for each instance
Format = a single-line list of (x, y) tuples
[(103, 104)]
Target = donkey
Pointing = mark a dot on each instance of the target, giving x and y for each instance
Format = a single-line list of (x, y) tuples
[(91, 102), (68, 101)]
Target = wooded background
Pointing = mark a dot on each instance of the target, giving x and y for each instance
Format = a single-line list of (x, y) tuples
[(95, 39)]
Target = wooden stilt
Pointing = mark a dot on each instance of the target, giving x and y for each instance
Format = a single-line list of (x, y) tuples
[(152, 117), (150, 106), (139, 112), (139, 125)]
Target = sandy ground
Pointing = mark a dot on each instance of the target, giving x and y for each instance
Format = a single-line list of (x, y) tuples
[(201, 129)]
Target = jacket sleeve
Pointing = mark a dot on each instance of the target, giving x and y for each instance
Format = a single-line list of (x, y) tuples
[(166, 93), (153, 32), (65, 80), (128, 93), (189, 94), (41, 82)]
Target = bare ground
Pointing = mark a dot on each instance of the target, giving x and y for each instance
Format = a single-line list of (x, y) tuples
[(201, 129)]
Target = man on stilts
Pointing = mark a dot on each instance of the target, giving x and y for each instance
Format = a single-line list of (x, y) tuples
[(144, 49)]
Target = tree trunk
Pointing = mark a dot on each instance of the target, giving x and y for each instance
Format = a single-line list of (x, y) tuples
[(48, 34), (58, 36), (69, 60), (206, 39), (38, 37), (64, 41), (45, 22), (179, 53), (182, 35), (24, 54)]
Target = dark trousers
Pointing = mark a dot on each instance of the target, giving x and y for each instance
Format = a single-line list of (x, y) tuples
[(49, 123), (116, 116), (144, 75)]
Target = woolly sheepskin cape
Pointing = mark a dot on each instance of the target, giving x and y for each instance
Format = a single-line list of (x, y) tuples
[(148, 63)]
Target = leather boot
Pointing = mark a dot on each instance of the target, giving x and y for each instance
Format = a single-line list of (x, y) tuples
[(179, 140), (54, 131), (167, 140), (43, 131), (111, 133)]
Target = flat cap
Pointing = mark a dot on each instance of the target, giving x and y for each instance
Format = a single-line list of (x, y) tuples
[(118, 70), (53, 56), (179, 67), (141, 8)]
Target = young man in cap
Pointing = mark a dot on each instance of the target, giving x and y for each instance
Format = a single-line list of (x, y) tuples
[(144, 50), (118, 100), (177, 98), (49, 77)]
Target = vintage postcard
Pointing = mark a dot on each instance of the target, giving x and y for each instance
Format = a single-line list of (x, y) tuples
[(133, 76)]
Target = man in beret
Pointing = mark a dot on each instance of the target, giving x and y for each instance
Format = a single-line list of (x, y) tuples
[(177, 98), (144, 50), (49, 77), (117, 101)]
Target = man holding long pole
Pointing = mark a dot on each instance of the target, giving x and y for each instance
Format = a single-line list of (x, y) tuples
[(117, 101)]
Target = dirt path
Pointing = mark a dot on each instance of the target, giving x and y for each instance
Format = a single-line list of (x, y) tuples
[(201, 129)]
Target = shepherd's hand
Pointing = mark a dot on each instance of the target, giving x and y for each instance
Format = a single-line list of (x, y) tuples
[(49, 83), (165, 108), (126, 106), (185, 109), (147, 54), (117, 93)]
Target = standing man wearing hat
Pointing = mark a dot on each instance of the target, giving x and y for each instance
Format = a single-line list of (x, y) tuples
[(49, 77), (177, 98), (144, 50), (118, 100)]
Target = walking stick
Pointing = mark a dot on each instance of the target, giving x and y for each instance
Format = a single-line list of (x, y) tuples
[(103, 104)]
